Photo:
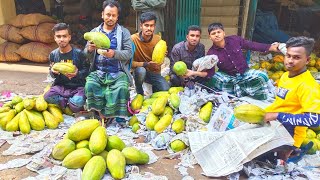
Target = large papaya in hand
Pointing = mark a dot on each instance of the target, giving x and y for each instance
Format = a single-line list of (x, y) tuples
[(249, 113), (159, 52), (64, 67), (98, 38)]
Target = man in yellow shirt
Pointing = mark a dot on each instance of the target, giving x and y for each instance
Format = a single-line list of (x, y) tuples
[(297, 104)]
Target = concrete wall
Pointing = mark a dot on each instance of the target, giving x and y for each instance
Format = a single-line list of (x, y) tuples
[(7, 12)]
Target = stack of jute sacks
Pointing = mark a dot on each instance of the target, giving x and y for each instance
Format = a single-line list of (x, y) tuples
[(28, 36)]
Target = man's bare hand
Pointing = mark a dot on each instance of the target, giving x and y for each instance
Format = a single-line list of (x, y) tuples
[(154, 66), (271, 116), (91, 47), (109, 53), (274, 47), (188, 74), (72, 75)]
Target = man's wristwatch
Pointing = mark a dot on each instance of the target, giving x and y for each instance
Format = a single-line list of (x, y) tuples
[(145, 64)]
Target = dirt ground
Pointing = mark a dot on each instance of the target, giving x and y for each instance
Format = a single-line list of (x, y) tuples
[(27, 78)]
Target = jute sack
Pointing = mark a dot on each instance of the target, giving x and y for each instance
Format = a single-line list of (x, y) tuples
[(11, 33), (36, 51), (8, 52), (40, 33), (23, 20)]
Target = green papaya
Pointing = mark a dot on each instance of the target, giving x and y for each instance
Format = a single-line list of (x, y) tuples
[(36, 120), (151, 121), (8, 116), (82, 130), (16, 99), (177, 145), (205, 112), (133, 120), (24, 124), (159, 105), (98, 140), (160, 94), (64, 67), (178, 126), (135, 156), (249, 113), (29, 103), (175, 90), (77, 158), (135, 127), (41, 104), (114, 142), (50, 121), (94, 169), (163, 123), (116, 163), (174, 100), (98, 38), (82, 144), (56, 112), (62, 149), (4, 109), (19, 107), (136, 103), (13, 124)]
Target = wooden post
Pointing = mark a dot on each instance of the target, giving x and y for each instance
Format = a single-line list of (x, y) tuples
[(7, 12)]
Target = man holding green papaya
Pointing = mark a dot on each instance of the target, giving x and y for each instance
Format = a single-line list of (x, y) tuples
[(145, 70), (67, 90), (108, 82)]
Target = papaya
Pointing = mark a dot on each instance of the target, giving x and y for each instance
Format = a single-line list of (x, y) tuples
[(8, 116), (16, 99), (151, 121), (135, 127), (77, 158), (137, 102), (135, 156), (98, 140), (94, 169), (114, 142), (133, 120), (56, 112), (19, 107), (180, 68), (178, 126), (13, 125), (163, 123), (50, 121), (41, 104), (174, 100), (64, 67), (116, 163), (3, 114), (29, 103), (174, 90), (98, 38), (24, 124), (249, 113), (167, 110), (82, 144), (148, 102), (160, 94), (35, 119), (177, 145), (158, 105), (8, 104), (63, 148), (205, 112), (159, 52), (4, 109), (103, 154), (82, 130)]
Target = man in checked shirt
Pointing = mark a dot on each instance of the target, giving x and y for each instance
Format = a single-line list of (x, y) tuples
[(188, 51)]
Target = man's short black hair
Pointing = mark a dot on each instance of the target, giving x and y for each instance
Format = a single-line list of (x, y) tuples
[(111, 3), (147, 16), (61, 26), (301, 41), (214, 26), (194, 28)]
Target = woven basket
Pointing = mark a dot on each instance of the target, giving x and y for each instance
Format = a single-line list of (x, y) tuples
[(36, 51), (24, 20), (11, 33), (8, 52), (40, 33)]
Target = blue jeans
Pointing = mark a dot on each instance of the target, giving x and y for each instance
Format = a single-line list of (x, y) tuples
[(158, 82)]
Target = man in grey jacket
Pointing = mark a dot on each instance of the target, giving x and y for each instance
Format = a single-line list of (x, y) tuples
[(107, 84), (155, 6)]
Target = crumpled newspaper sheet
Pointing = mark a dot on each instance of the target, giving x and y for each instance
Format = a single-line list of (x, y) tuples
[(15, 163), (257, 57), (165, 67), (145, 176), (57, 172), (205, 62)]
